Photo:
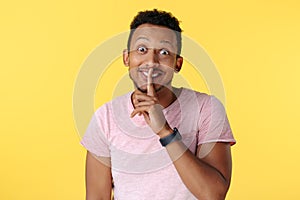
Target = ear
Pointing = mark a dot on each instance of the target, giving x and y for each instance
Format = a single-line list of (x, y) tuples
[(179, 61), (126, 57)]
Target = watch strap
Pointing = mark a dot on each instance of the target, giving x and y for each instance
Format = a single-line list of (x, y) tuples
[(175, 136)]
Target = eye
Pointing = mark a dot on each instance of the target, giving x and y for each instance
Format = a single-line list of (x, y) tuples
[(142, 49), (164, 52)]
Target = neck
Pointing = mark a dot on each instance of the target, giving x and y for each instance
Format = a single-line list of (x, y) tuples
[(166, 96)]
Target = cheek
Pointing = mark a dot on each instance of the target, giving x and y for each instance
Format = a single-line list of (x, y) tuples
[(170, 62), (168, 67), (135, 61), (132, 72)]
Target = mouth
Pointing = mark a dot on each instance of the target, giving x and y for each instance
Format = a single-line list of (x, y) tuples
[(155, 73), (142, 79)]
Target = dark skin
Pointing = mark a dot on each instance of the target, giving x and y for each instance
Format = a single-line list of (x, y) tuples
[(206, 175), (98, 178)]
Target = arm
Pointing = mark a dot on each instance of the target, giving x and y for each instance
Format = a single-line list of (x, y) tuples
[(207, 175), (206, 178), (98, 178)]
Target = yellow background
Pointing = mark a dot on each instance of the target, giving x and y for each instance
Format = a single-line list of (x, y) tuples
[(254, 44)]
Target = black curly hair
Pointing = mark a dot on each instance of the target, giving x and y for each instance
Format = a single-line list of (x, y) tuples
[(156, 17)]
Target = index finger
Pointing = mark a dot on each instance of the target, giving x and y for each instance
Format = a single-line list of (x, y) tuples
[(150, 89)]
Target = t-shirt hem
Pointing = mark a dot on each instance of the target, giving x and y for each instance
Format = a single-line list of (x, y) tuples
[(231, 141)]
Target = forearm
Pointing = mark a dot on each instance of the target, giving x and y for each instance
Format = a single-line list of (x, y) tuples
[(202, 179)]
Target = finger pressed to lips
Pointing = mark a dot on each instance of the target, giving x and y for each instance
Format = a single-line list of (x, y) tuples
[(142, 102), (146, 75), (149, 82), (156, 71)]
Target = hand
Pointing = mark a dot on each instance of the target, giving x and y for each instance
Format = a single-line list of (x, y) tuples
[(148, 105)]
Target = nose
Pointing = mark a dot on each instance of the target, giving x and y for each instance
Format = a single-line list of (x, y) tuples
[(152, 58)]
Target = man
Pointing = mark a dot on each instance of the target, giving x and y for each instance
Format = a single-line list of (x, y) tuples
[(158, 142)]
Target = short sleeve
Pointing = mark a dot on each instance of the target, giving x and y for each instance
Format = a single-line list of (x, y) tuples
[(213, 125), (95, 138)]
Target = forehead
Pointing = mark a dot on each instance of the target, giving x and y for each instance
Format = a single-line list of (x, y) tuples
[(154, 34)]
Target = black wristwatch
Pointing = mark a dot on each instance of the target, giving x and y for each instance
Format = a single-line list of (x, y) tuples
[(175, 136)]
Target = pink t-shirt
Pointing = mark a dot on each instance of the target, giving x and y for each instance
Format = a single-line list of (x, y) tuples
[(141, 167)]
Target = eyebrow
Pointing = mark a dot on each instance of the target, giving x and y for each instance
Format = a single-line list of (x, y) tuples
[(162, 41), (167, 42)]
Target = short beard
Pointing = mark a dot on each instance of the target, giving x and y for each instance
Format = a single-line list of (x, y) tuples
[(156, 90), (145, 91)]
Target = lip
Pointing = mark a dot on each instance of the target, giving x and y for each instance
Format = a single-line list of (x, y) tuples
[(155, 74)]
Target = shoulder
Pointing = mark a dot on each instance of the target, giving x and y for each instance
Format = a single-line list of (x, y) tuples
[(189, 93), (191, 97), (108, 107)]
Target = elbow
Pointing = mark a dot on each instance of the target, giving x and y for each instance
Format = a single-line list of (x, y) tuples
[(219, 195), (214, 195), (218, 192)]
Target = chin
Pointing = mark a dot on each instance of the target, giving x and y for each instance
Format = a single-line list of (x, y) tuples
[(157, 88)]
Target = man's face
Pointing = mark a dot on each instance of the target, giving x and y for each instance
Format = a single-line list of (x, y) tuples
[(152, 47)]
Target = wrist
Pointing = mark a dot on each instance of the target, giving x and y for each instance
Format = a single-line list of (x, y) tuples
[(173, 137), (165, 131)]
